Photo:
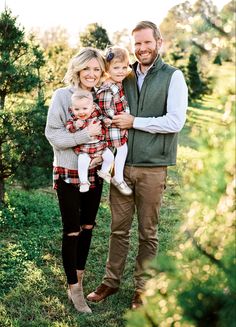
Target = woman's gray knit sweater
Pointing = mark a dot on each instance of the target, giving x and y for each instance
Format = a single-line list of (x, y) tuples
[(59, 137)]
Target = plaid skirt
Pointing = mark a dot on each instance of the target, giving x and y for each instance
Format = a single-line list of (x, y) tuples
[(92, 149), (116, 137)]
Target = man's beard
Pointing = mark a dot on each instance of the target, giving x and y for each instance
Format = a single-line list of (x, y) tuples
[(149, 61)]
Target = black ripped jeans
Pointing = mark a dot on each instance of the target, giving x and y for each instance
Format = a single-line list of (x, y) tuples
[(77, 209)]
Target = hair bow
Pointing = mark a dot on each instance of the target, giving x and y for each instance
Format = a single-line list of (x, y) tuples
[(110, 55)]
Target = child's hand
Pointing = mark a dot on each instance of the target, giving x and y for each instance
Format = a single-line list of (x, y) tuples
[(107, 122), (78, 123), (94, 128)]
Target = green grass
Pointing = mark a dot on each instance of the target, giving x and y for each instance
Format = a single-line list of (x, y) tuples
[(33, 285)]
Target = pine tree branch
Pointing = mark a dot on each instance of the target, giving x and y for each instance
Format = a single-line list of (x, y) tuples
[(208, 255), (216, 27)]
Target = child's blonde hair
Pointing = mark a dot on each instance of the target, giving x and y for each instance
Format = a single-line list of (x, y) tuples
[(116, 54), (81, 94)]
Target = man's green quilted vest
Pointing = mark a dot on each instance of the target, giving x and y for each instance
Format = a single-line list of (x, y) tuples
[(147, 149)]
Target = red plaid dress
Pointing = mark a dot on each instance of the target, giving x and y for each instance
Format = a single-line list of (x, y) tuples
[(112, 101), (96, 147)]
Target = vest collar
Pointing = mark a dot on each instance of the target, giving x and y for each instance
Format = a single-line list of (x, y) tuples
[(157, 64)]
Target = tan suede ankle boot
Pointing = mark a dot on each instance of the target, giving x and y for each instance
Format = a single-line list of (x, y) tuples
[(76, 294)]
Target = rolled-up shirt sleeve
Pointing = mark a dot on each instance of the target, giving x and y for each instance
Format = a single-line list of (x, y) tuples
[(177, 104)]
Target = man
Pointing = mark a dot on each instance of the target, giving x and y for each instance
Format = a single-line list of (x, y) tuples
[(157, 96)]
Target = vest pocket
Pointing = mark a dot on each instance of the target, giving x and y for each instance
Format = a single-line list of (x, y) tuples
[(169, 144)]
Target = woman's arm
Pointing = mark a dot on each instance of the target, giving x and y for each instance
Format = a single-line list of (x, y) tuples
[(55, 130)]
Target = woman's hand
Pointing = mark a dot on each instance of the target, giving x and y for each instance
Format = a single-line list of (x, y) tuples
[(94, 129)]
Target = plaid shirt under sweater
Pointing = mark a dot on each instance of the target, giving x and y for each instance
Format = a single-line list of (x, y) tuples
[(93, 149), (71, 176), (112, 101)]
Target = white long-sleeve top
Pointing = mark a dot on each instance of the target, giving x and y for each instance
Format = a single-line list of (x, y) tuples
[(177, 104)]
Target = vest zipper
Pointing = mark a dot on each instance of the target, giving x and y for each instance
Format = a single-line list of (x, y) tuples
[(164, 145)]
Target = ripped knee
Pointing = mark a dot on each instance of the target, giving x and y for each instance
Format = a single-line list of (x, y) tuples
[(83, 227), (87, 226), (73, 233)]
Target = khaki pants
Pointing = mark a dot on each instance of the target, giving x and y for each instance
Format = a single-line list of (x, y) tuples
[(148, 184)]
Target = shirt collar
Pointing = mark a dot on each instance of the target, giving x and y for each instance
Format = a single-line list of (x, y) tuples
[(139, 72)]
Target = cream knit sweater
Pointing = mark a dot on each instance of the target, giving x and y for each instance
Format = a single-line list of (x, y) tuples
[(60, 139)]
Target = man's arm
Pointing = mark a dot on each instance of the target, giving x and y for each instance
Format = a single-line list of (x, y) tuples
[(173, 121)]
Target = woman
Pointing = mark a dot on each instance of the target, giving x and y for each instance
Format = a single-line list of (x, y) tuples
[(78, 210)]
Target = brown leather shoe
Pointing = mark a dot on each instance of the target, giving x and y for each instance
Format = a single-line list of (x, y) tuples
[(101, 292), (136, 300)]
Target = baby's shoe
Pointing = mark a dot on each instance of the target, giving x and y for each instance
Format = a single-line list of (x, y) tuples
[(105, 176), (122, 187), (84, 187)]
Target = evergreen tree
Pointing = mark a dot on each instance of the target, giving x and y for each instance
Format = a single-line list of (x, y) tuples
[(19, 59), (20, 63), (218, 60), (95, 36), (57, 53), (195, 84), (199, 27), (32, 155)]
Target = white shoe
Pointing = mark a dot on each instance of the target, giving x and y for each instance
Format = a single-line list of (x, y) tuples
[(122, 187), (105, 176), (84, 187)]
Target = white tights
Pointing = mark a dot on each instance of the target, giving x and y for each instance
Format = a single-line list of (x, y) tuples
[(84, 162), (120, 159)]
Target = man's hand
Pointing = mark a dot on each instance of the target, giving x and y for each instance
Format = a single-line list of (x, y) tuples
[(123, 121)]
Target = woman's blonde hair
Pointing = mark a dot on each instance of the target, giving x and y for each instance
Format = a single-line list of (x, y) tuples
[(79, 62)]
